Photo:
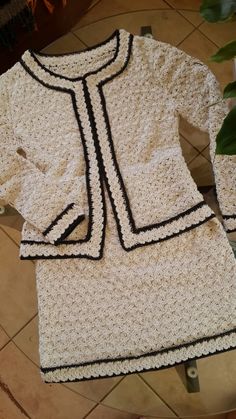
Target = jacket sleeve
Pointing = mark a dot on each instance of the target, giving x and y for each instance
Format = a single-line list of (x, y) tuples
[(198, 99), (42, 200)]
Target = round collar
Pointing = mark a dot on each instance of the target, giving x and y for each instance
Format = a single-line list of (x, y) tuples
[(37, 63)]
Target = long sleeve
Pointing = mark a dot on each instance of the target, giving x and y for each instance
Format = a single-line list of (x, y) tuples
[(197, 97), (41, 199)]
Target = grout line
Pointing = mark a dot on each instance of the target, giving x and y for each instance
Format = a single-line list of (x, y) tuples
[(205, 156), (86, 397), (170, 5), (14, 343), (12, 337), (158, 395), (197, 26), (4, 330), (86, 45), (185, 10), (216, 45), (92, 6), (7, 234), (195, 148), (99, 403), (121, 14), (190, 33)]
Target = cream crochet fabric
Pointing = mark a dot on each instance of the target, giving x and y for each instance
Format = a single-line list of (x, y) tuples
[(134, 270)]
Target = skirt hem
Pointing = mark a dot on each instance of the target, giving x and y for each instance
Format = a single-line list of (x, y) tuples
[(144, 363)]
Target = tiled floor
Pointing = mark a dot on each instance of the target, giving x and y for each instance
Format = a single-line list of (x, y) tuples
[(159, 394)]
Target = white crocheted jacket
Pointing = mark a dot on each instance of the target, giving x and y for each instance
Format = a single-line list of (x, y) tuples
[(69, 128)]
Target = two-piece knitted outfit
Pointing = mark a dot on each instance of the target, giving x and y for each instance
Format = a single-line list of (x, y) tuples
[(134, 270)]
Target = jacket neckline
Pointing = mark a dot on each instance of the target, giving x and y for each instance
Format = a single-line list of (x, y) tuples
[(34, 62)]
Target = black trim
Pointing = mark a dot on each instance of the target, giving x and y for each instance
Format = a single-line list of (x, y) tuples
[(114, 35), (153, 353), (87, 176), (217, 352), (70, 228), (230, 230), (54, 222), (78, 255), (227, 217)]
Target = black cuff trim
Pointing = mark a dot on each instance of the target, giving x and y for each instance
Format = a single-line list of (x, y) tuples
[(49, 228), (70, 228), (227, 217), (230, 230)]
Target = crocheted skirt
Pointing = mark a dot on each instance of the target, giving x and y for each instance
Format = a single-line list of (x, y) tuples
[(150, 308)]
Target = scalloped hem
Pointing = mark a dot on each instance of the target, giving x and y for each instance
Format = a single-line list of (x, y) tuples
[(164, 358)]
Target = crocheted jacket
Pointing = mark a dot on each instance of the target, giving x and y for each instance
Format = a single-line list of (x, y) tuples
[(69, 128)]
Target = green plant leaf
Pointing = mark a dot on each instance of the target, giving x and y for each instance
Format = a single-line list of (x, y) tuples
[(217, 10), (230, 90), (227, 52), (226, 137)]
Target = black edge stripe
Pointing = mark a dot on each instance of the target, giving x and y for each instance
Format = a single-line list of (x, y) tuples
[(174, 218), (70, 228), (230, 230), (171, 365), (115, 34), (59, 217), (79, 255), (171, 236), (153, 353), (226, 216)]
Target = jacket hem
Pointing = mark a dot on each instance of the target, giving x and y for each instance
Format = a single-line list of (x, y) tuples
[(29, 248), (165, 358)]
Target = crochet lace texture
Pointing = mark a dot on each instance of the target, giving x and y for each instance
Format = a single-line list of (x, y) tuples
[(134, 270)]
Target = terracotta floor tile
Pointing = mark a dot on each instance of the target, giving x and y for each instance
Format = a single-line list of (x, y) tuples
[(10, 409), (221, 416), (189, 152), (12, 225), (206, 153), (107, 8), (66, 43), (201, 171), (28, 340), (4, 338), (185, 4), (193, 17), (167, 25), (217, 377), (134, 396), (18, 298), (219, 33), (103, 412), (194, 136), (199, 46), (95, 390), (40, 400), (211, 200)]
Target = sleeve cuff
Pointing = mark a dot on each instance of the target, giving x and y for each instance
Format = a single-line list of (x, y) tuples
[(229, 222), (64, 224)]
